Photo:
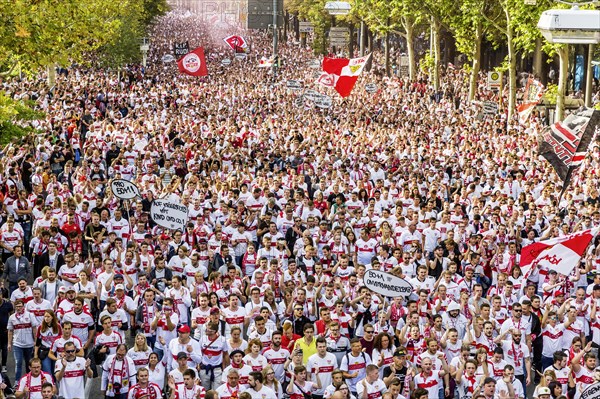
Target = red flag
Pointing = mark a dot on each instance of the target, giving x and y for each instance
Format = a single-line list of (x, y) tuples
[(237, 43), (193, 63), (560, 254), (343, 72)]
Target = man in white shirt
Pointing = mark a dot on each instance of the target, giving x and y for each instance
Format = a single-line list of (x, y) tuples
[(256, 388), (69, 373), (371, 387)]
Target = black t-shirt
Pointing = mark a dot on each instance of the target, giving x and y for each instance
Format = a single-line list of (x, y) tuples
[(400, 374)]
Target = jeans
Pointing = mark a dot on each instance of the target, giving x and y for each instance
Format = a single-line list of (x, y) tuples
[(48, 366), (21, 355), (546, 362)]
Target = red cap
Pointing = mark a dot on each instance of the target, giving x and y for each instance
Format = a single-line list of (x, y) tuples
[(184, 329)]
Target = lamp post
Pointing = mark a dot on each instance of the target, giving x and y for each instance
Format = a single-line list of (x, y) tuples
[(571, 26), (144, 47)]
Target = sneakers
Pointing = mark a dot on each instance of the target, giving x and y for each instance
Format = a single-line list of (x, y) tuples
[(4, 370)]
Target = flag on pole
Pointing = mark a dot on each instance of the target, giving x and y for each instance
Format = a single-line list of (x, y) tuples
[(561, 254), (344, 72), (534, 91), (237, 43), (565, 144), (265, 62), (193, 63)]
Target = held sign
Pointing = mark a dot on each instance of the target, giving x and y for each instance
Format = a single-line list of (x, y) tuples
[(387, 284), (169, 214), (592, 392), (125, 190)]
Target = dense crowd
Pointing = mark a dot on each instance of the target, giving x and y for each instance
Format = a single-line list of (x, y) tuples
[(262, 294)]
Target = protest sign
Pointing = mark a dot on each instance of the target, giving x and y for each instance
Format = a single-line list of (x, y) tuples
[(387, 284), (169, 214), (125, 190)]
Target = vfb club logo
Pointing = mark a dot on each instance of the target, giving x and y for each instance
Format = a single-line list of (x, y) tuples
[(191, 62)]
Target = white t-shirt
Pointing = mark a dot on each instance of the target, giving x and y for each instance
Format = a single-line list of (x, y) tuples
[(72, 384), (374, 391), (264, 393)]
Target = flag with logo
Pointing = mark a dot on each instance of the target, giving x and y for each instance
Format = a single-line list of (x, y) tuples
[(534, 91), (561, 254), (343, 72), (326, 80), (193, 63), (265, 62), (237, 43), (565, 144)]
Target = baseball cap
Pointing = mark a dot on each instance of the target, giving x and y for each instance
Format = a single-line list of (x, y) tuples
[(62, 289), (214, 311), (400, 352), (184, 329), (119, 287), (71, 288), (182, 355), (559, 293), (118, 275), (543, 391)]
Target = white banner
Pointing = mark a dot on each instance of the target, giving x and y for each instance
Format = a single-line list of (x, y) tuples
[(387, 284), (125, 190), (169, 214)]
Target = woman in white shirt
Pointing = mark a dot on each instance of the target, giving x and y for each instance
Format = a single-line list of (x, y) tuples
[(156, 371)]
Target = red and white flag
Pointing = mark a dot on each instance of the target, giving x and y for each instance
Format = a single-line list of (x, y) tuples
[(265, 62), (534, 91), (343, 72), (237, 43), (193, 63), (561, 254)]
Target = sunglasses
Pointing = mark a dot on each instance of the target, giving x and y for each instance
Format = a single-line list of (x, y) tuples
[(70, 351)]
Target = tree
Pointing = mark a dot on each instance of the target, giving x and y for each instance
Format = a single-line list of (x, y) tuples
[(519, 26)]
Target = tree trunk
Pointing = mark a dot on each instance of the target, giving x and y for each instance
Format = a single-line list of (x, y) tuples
[(387, 54), (563, 55), (537, 59), (410, 48), (297, 26), (285, 25), (476, 67), (351, 41), (436, 52), (51, 75), (512, 70)]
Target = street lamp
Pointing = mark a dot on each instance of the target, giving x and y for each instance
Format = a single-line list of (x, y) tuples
[(144, 47), (573, 26)]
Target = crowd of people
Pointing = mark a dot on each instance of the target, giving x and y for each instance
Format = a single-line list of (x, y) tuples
[(262, 294)]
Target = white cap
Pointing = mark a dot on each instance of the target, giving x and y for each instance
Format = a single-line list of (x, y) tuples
[(453, 306), (119, 287)]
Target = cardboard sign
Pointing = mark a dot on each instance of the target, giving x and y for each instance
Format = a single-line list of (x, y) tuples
[(312, 95), (490, 108), (225, 62), (169, 214), (294, 84), (241, 56), (371, 88), (125, 190), (387, 284), (591, 392), (168, 58), (324, 101)]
